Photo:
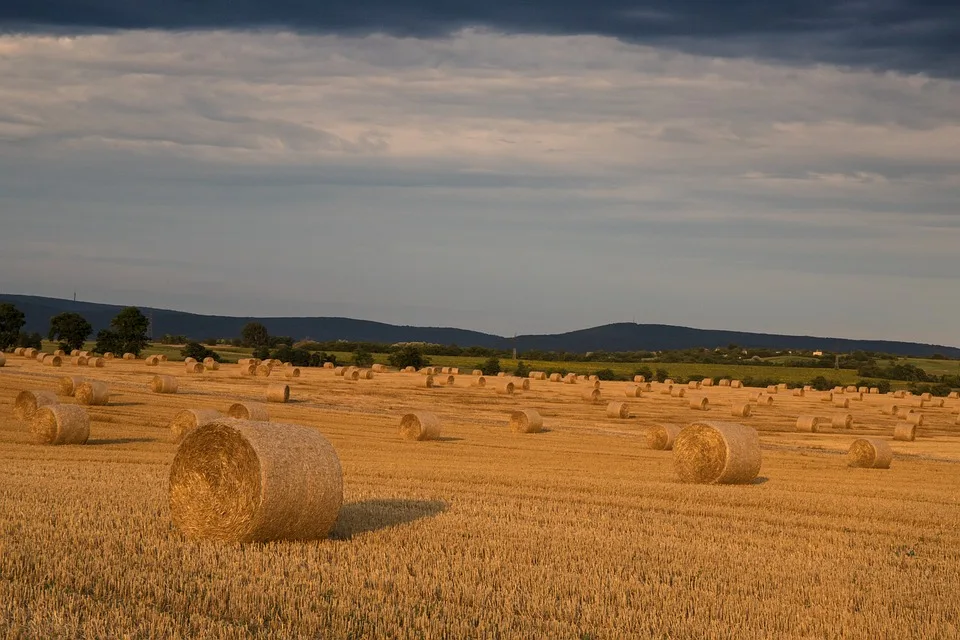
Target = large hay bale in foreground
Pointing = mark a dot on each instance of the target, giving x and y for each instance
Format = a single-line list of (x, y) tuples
[(279, 482), (30, 353), (19, 351), (248, 369), (27, 403), (905, 431), (60, 424), (353, 374), (700, 404), (278, 393), (870, 453), (741, 410), (661, 437), (92, 393), (211, 364), (420, 426), (842, 421), (67, 385), (254, 411), (263, 370), (163, 384), (526, 421), (522, 383), (189, 419), (717, 453), (619, 410), (810, 424)]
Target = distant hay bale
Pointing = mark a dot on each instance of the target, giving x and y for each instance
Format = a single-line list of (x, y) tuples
[(85, 354), (889, 409), (526, 421), (839, 389), (428, 381), (74, 353), (409, 370), (593, 377), (660, 437), (798, 393), (926, 396), (95, 362), (863, 390), (365, 374), (292, 372), (639, 379), (899, 394), (717, 453), (27, 403), (378, 368), (92, 393), (855, 397), (30, 353), (278, 393), (707, 382), (163, 357), (67, 385), (444, 370), (842, 421), (807, 388), (555, 377), (40, 355), (79, 361), (741, 410), (338, 371), (570, 378), (255, 411), (633, 391), (827, 397), (129, 356), (765, 400), (248, 369), (595, 384), (874, 390), (903, 412), (152, 361), (60, 424), (915, 419), (905, 432), (282, 482), (505, 388), (724, 382), (870, 453), (952, 396), (646, 386), (243, 361), (18, 351), (52, 361), (480, 382), (428, 371), (163, 384), (353, 374), (666, 390), (678, 392), (189, 419), (477, 372), (693, 384), (263, 370), (841, 402), (454, 371), (772, 389), (783, 386), (189, 360), (330, 365), (194, 367), (108, 355), (736, 384), (538, 375), (937, 402), (419, 426), (447, 380), (522, 383), (668, 381), (60, 352), (591, 395), (700, 404), (619, 410), (211, 364)]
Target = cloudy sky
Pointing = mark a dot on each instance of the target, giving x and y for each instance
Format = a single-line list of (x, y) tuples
[(512, 167)]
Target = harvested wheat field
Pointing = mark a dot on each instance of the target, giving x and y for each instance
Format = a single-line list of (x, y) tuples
[(577, 531)]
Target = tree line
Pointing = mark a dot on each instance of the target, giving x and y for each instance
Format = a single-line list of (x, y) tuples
[(128, 332)]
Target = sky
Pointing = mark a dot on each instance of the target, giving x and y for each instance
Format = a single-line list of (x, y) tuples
[(515, 168)]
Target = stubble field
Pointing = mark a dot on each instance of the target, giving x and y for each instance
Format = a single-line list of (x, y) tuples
[(576, 532)]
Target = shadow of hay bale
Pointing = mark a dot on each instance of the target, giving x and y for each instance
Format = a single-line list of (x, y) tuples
[(374, 515)]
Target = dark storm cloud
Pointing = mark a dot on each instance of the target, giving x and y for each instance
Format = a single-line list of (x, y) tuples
[(903, 35)]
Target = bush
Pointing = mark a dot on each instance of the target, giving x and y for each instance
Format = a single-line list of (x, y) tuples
[(643, 371), (261, 353), (607, 374), (822, 384), (30, 340), (296, 357), (661, 375), (362, 358), (491, 367), (522, 370), (198, 352), (408, 356)]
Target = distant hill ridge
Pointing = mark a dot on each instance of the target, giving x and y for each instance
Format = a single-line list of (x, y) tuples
[(612, 337)]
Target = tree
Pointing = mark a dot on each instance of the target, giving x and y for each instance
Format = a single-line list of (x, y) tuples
[(661, 375), (130, 331), (522, 370), (71, 329), (108, 342), (11, 321), (29, 340), (254, 335), (408, 356), (198, 352), (362, 358), (491, 367)]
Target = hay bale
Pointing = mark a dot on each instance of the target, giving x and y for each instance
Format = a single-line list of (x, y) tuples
[(660, 437), (646, 387), (827, 397), (666, 390), (30, 353), (905, 432), (555, 377), (903, 412), (633, 391), (18, 351), (95, 362), (292, 372), (570, 378), (79, 361), (67, 385), (108, 355), (254, 411), (419, 426), (693, 384), (619, 410), (379, 368), (365, 374), (60, 352), (874, 390), (86, 354), (798, 393), (890, 409), (74, 353), (538, 375), (926, 396), (27, 403), (480, 382), (52, 361), (263, 370), (454, 371), (741, 410), (724, 382), (870, 453), (60, 424), (211, 364), (163, 384), (129, 356), (152, 361), (807, 388), (526, 421), (278, 393), (717, 453), (783, 386), (194, 367), (522, 383), (863, 390), (189, 360), (855, 397), (668, 381), (915, 419), (899, 394), (477, 372), (842, 421), (677, 392), (280, 482), (842, 402), (428, 382), (838, 389), (700, 404), (772, 389), (952, 396), (40, 355), (189, 419), (353, 374), (593, 378), (506, 388), (591, 395), (445, 371), (248, 369), (639, 379), (706, 382), (409, 369), (92, 393), (330, 365), (736, 384)]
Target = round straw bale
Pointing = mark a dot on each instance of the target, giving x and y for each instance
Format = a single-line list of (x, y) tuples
[(163, 384), (30, 353), (899, 394), (526, 421), (736, 384), (477, 372), (263, 370), (937, 402), (741, 410), (74, 353), (668, 381), (838, 389), (827, 397), (874, 390), (633, 391), (194, 367), (555, 377), (952, 396), (353, 374), (163, 357), (539, 375), (409, 369), (863, 390), (595, 384), (278, 393), (189, 360), (40, 355), (772, 389), (619, 410), (717, 453), (108, 355), (446, 379), (841, 402), (903, 412), (92, 393), (129, 356), (783, 386), (506, 388), (678, 392), (152, 361), (915, 419), (926, 396), (378, 368), (80, 361), (522, 383), (445, 370), (67, 385), (60, 424), (480, 382), (855, 397), (890, 409), (27, 403), (428, 381), (765, 400), (870, 453), (666, 390), (593, 377), (365, 374), (244, 481), (454, 371), (700, 404), (570, 378), (724, 382), (292, 372), (52, 361), (211, 364), (591, 395), (693, 384), (329, 365), (639, 379), (660, 437), (798, 393), (706, 382), (255, 411), (60, 352), (85, 354), (905, 431), (18, 351), (95, 362), (338, 371), (842, 421), (428, 371), (248, 369), (807, 388), (419, 426), (646, 386), (189, 419)]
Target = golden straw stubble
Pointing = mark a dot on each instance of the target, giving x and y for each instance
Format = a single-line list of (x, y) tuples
[(717, 453), (60, 424), (243, 481)]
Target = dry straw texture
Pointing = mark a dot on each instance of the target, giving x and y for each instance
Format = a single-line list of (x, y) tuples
[(693, 384), (129, 356), (67, 385), (905, 431), (92, 393), (189, 419), (707, 382), (717, 453), (428, 381), (74, 352), (353, 374), (329, 365), (736, 384), (724, 382), (915, 419), (420, 426), (108, 355), (633, 391), (678, 392), (152, 361), (526, 421), (555, 377), (52, 361), (827, 397), (448, 380), (661, 437), (477, 372), (953, 394), (19, 351), (619, 410), (379, 368), (80, 361), (189, 360), (60, 424), (96, 362), (506, 388), (591, 395), (263, 370), (60, 352), (278, 393), (365, 374), (741, 410), (480, 382), (3, 359), (522, 383), (639, 379), (668, 381), (239, 481), (40, 355), (163, 384), (771, 389), (810, 424), (870, 453), (194, 367), (764, 399), (28, 402), (700, 404), (874, 390), (842, 421), (30, 352), (211, 364), (254, 411), (248, 369), (292, 372), (798, 393)]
